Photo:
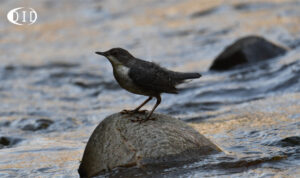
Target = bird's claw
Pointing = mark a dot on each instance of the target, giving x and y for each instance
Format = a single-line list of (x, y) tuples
[(125, 111), (142, 111)]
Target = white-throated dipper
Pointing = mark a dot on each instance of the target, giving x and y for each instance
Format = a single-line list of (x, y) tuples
[(144, 78)]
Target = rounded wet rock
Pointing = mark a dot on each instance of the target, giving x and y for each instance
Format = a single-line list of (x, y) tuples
[(119, 142), (249, 49)]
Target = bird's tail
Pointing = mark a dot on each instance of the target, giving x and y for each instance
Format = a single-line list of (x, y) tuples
[(184, 76)]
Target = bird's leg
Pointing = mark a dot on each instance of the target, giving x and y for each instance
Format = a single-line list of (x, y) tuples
[(158, 100), (136, 110), (140, 106)]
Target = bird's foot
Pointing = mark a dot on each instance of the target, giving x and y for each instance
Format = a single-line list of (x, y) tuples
[(125, 111), (141, 120), (142, 111)]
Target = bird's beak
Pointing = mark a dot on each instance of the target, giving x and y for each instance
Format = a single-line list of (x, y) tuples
[(101, 53)]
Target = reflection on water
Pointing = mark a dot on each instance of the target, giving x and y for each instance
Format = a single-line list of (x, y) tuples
[(54, 90)]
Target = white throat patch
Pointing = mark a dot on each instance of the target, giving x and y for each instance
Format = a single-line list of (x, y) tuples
[(122, 71), (113, 60)]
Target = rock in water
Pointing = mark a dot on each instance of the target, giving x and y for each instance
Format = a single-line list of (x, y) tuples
[(249, 49), (119, 142)]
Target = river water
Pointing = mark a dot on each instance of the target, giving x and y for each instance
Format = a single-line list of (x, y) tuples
[(54, 90)]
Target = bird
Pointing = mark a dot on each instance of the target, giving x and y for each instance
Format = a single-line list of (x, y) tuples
[(144, 78)]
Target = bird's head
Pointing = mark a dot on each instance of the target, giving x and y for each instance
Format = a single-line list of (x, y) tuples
[(117, 56)]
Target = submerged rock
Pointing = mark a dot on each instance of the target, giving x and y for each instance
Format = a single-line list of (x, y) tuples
[(6, 142), (249, 49), (119, 142), (32, 124), (292, 141)]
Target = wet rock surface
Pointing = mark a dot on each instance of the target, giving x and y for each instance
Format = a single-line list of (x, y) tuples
[(250, 49), (119, 142)]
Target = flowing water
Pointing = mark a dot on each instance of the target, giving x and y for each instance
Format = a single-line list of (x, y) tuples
[(54, 90)]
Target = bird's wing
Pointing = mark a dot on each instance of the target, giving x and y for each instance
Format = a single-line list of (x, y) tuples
[(152, 77)]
